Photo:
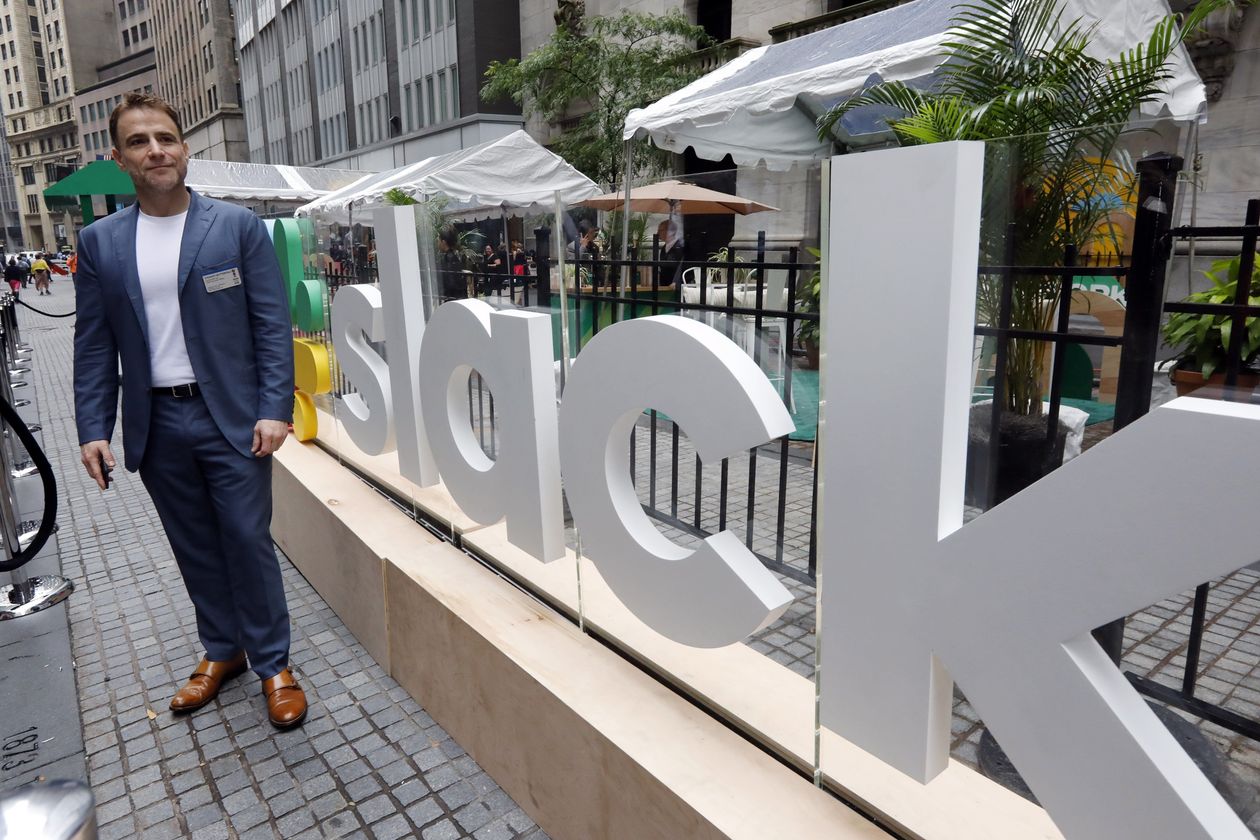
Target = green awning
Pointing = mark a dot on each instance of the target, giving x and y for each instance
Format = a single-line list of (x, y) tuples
[(100, 177)]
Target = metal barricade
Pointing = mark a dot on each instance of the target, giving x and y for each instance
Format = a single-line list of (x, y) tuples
[(22, 463), (56, 810)]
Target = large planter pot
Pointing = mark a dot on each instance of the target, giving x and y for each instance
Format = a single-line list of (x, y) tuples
[(1189, 381), (811, 355), (1025, 454)]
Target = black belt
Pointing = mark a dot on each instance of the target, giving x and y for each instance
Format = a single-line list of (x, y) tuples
[(190, 389)]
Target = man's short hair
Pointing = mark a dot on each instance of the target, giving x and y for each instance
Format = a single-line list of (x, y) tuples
[(136, 100)]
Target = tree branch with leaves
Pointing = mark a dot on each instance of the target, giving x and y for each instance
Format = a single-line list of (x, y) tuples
[(618, 63)]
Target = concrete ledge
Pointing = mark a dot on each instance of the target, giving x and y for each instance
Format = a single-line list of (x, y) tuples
[(585, 742), (344, 565)]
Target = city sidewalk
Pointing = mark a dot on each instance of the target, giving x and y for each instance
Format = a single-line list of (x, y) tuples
[(368, 762)]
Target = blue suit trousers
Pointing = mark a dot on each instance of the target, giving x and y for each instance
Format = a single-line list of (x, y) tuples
[(215, 505)]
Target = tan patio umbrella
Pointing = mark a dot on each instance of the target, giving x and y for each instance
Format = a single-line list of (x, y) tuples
[(676, 197)]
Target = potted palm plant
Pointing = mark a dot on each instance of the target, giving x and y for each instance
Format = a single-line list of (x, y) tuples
[(809, 299), (1202, 340), (1018, 76)]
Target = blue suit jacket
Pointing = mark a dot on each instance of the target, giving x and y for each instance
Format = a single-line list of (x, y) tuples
[(239, 339)]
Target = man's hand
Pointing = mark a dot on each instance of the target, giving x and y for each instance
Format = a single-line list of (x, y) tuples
[(93, 453), (268, 435)]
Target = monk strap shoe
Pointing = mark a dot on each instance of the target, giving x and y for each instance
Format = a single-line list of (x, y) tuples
[(286, 702), (205, 682)]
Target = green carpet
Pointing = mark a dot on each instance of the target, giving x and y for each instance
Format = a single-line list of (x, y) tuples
[(805, 396)]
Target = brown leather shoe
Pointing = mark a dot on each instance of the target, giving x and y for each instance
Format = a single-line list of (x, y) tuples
[(286, 702), (205, 682)]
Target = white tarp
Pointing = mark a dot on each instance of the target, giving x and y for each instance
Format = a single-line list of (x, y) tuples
[(511, 173), (749, 107), (264, 182)]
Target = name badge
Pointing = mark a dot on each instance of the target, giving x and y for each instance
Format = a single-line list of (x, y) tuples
[(221, 280)]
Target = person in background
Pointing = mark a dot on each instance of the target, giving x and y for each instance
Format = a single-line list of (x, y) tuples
[(669, 235), (449, 266), (40, 269), (24, 266), (72, 263), (13, 275)]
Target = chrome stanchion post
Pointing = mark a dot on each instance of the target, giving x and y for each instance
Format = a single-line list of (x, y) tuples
[(23, 596), (18, 349), (56, 810)]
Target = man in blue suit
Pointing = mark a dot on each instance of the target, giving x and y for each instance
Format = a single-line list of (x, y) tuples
[(186, 293)]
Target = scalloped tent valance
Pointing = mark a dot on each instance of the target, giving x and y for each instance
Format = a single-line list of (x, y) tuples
[(512, 173), (761, 107)]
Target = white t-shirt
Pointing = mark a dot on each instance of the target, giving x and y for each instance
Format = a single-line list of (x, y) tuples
[(157, 258)]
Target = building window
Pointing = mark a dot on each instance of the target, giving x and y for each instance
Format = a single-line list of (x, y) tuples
[(122, 10), (32, 203), (144, 30), (428, 18), (428, 90), (454, 92), (126, 38), (28, 175)]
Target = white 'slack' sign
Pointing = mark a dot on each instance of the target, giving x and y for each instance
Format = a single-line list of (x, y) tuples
[(910, 599)]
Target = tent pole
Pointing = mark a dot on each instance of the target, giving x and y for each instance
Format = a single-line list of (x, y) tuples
[(559, 244), (507, 252), (85, 203), (628, 151)]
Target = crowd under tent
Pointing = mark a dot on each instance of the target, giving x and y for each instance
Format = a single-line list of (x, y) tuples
[(762, 106), (253, 184), (511, 174)]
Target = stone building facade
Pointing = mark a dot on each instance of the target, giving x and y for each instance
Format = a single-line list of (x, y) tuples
[(197, 73), (371, 84), (48, 49)]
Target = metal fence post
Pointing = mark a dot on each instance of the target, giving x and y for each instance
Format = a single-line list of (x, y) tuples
[(1144, 309), (1144, 289), (542, 265)]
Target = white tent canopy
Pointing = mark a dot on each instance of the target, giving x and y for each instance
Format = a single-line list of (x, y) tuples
[(511, 173), (264, 182), (762, 106)]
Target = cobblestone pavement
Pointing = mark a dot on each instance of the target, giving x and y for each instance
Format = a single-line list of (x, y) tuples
[(369, 763)]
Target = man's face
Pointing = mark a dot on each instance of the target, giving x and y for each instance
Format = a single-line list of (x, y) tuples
[(151, 151)]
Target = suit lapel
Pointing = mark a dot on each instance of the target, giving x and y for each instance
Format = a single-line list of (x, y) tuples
[(201, 215), (125, 253)]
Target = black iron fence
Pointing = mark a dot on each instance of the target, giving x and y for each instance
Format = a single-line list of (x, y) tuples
[(752, 296), (1238, 312)]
